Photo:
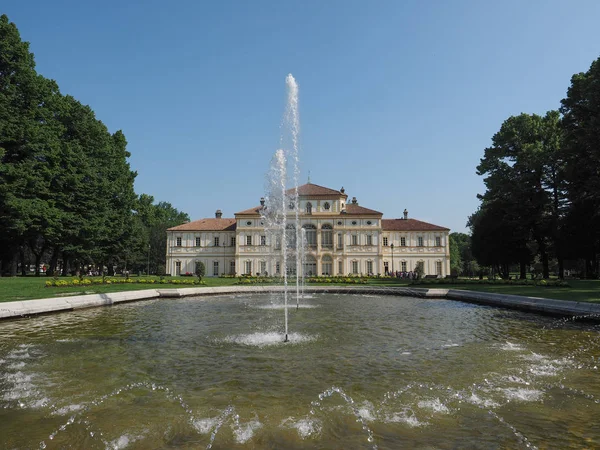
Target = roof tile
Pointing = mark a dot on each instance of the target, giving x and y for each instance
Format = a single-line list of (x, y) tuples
[(207, 225), (409, 225)]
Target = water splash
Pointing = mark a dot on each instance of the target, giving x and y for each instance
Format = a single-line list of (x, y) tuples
[(355, 410)]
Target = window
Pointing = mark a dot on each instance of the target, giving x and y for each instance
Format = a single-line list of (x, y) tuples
[(291, 205), (369, 239), (248, 223), (354, 267), (216, 268), (231, 267), (438, 241), (263, 267), (386, 266), (249, 240), (198, 242), (277, 267), (277, 242), (403, 266), (327, 265), (310, 266), (339, 222), (290, 236), (340, 241), (326, 206), (421, 265), (233, 241), (340, 267), (197, 266), (354, 222), (369, 222), (403, 241), (354, 239), (311, 235), (263, 240), (420, 241), (327, 236), (385, 241), (248, 268), (438, 268), (178, 242), (177, 267), (216, 242), (370, 267), (309, 208)]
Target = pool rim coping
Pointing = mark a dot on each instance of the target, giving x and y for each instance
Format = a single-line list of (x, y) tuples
[(546, 306)]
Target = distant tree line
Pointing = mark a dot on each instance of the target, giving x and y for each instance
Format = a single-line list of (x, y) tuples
[(542, 200), (66, 189)]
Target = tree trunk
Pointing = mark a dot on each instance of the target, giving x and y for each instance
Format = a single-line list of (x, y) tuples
[(523, 270), (53, 262), (561, 268), (65, 267), (13, 267), (22, 258), (38, 261)]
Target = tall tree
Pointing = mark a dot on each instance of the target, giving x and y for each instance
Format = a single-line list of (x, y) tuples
[(523, 185), (581, 153)]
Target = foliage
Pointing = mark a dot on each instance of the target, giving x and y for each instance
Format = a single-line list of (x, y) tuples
[(66, 187), (581, 155), (112, 280), (200, 270)]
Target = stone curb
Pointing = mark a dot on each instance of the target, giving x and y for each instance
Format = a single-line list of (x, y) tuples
[(24, 308)]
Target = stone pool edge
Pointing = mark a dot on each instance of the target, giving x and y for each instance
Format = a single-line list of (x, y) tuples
[(538, 305)]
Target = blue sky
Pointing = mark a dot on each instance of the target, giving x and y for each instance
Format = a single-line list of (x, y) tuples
[(398, 99)]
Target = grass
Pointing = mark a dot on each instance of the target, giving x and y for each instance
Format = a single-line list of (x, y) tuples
[(26, 288), (30, 287)]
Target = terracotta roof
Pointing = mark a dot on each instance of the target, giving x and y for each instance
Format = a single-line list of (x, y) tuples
[(255, 210), (409, 225), (352, 208), (207, 225), (310, 189)]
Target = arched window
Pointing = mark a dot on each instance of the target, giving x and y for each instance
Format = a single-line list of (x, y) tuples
[(326, 206), (310, 266), (309, 208), (290, 236), (327, 265), (311, 235), (327, 236)]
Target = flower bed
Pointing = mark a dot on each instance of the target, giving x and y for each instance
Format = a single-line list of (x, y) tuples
[(102, 281)]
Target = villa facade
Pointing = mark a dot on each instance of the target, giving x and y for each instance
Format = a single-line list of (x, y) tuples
[(341, 238)]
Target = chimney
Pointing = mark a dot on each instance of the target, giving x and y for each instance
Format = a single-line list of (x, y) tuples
[(354, 202), (405, 214), (218, 214), (262, 201)]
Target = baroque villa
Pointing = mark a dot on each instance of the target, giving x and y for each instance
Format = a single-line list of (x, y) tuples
[(342, 238)]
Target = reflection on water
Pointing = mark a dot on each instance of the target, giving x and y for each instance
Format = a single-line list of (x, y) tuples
[(377, 372)]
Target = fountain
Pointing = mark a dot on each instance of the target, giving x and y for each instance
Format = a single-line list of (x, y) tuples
[(358, 371), (278, 201), (369, 371)]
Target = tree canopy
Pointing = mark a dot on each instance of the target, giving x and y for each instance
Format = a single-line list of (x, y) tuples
[(542, 178), (66, 186)]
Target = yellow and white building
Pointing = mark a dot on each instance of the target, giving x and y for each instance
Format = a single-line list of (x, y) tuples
[(342, 238)]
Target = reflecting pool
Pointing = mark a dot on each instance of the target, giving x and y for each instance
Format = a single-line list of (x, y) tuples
[(359, 372)]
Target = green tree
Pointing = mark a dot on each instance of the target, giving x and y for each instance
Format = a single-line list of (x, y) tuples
[(200, 270), (523, 186), (28, 140), (581, 155), (456, 263)]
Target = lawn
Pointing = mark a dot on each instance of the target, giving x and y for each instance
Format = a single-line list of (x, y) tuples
[(30, 287), (25, 288)]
